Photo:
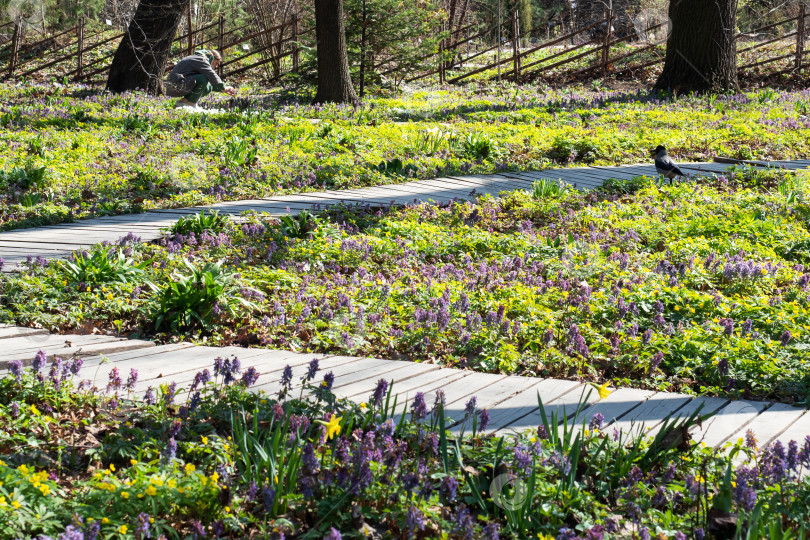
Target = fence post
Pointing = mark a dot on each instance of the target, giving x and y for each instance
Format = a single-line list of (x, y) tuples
[(516, 45), (221, 39), (190, 46), (606, 46), (800, 36), (15, 48), (80, 50), (441, 56), (296, 56)]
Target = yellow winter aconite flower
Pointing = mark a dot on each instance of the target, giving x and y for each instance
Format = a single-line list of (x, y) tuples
[(122, 529), (104, 521), (190, 468), (16, 505), (205, 441), (151, 491), (125, 495), (35, 411)]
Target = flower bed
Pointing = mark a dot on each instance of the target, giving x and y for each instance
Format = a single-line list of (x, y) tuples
[(74, 153), (215, 460), (699, 287)]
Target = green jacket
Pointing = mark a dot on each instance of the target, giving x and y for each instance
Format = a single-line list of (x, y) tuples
[(198, 63)]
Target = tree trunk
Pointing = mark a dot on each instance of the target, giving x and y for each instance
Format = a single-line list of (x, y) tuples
[(140, 61), (334, 80), (702, 49)]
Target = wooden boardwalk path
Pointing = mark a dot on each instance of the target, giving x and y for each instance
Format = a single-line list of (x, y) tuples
[(510, 400), (56, 241)]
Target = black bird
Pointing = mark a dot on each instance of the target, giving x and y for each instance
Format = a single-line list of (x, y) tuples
[(664, 164)]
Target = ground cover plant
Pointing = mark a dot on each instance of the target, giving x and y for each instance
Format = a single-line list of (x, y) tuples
[(699, 287), (74, 152), (239, 455)]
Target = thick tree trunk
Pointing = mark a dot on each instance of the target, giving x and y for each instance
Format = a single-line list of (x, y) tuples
[(140, 61), (334, 80), (702, 49)]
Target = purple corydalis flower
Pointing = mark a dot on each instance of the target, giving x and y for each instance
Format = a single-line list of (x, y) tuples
[(201, 379), (333, 534), (39, 361), (76, 365), (132, 380), (250, 377), (469, 409), (170, 393), (414, 520), (483, 420), (311, 371), (14, 409), (170, 452), (286, 377), (114, 380), (785, 338), (149, 396), (142, 528), (379, 393), (597, 422), (15, 367), (419, 407), (448, 488)]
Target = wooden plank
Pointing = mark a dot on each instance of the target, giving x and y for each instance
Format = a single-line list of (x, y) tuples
[(706, 405), (616, 405), (729, 420), (81, 348), (136, 354), (651, 413), (520, 411), (489, 396), (420, 381), (798, 431), (7, 332), (770, 423)]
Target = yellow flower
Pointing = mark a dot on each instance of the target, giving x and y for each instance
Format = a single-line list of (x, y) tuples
[(104, 521), (133, 461), (172, 483), (112, 467), (602, 389), (125, 495), (333, 427), (122, 529), (151, 491), (215, 477), (364, 406), (16, 505), (181, 490), (35, 411), (45, 489), (190, 468)]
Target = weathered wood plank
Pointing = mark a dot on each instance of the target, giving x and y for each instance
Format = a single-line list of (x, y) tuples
[(519, 411), (7, 332), (731, 419), (770, 423)]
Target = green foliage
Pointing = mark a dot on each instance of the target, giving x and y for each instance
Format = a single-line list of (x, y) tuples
[(211, 221), (547, 188), (25, 178), (102, 265), (239, 152), (303, 225), (200, 297), (479, 146), (394, 167)]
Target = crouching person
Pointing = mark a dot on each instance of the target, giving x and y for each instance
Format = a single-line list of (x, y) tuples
[(194, 77)]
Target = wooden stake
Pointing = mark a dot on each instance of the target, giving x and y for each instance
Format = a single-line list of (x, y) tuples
[(296, 56), (606, 46), (221, 39), (800, 36), (190, 46), (80, 51), (516, 45), (15, 48)]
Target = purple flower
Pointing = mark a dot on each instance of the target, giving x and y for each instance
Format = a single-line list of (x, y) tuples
[(463, 524), (194, 402), (170, 393), (268, 498), (39, 361), (15, 367), (14, 409), (414, 520), (131, 381), (142, 527), (71, 533), (76, 365), (328, 381), (311, 371), (419, 408), (491, 531), (114, 380), (448, 488), (379, 393), (542, 433), (522, 461), (286, 378), (566, 534), (597, 422), (469, 409), (201, 379), (250, 377), (333, 534), (170, 452), (785, 339), (656, 360), (483, 420), (149, 396)]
